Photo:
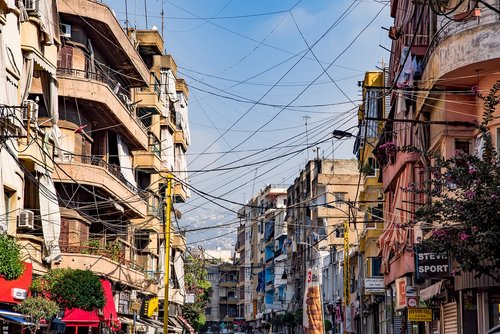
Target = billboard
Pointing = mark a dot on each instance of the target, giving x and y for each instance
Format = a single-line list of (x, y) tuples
[(313, 307)]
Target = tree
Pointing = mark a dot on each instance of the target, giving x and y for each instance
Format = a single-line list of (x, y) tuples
[(71, 288), (195, 278), (35, 309), (11, 266), (465, 192)]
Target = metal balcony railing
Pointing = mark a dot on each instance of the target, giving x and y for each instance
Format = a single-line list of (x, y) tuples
[(113, 169), (122, 94)]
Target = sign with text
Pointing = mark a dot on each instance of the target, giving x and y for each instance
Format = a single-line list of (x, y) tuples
[(313, 307), (419, 314), (431, 265), (374, 285)]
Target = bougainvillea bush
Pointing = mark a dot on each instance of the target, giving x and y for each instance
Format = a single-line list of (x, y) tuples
[(465, 208)]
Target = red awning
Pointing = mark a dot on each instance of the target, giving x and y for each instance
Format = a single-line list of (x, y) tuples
[(19, 287), (186, 324), (79, 317)]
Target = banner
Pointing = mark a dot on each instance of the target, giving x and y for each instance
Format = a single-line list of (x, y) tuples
[(430, 265), (313, 307)]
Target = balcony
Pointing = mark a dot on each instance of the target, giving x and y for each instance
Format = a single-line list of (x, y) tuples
[(98, 173), (228, 300), (95, 92), (150, 41), (100, 21), (180, 195), (179, 242), (147, 161), (179, 138), (228, 284), (181, 86), (164, 61), (462, 43), (148, 100), (112, 261), (391, 171)]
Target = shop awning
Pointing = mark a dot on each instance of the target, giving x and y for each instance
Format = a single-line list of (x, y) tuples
[(78, 317), (431, 291), (14, 317), (14, 291), (186, 324)]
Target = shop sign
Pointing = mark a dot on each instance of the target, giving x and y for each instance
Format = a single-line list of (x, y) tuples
[(431, 265), (189, 298), (419, 314), (348, 319), (400, 293), (374, 285)]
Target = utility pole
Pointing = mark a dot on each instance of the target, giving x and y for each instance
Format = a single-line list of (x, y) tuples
[(168, 212)]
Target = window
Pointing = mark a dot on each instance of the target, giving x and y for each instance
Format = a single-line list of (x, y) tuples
[(462, 145), (210, 276), (373, 266), (372, 167), (208, 310), (339, 198), (479, 146)]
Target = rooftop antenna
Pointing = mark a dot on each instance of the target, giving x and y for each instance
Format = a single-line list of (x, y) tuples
[(126, 14), (146, 12), (162, 21), (307, 136)]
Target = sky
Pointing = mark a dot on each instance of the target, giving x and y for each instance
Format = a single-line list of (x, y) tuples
[(269, 81)]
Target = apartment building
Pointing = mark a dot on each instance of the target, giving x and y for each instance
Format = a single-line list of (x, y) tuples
[(262, 231), (371, 288), (85, 183), (222, 311), (322, 220), (437, 64)]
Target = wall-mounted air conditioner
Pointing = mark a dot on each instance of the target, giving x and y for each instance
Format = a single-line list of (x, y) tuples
[(26, 219), (32, 7), (66, 30)]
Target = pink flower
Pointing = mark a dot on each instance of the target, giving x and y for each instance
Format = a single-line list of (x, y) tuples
[(440, 234), (470, 194), (475, 90), (472, 170), (464, 236)]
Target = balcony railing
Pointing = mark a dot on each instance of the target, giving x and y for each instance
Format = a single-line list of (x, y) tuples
[(115, 251), (112, 168), (122, 94)]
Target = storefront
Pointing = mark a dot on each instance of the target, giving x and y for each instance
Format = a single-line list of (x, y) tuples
[(94, 322)]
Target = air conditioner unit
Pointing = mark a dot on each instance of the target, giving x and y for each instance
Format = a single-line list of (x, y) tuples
[(32, 7), (31, 114), (26, 219), (66, 30)]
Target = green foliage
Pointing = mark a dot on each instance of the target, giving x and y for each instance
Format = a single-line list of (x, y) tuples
[(200, 322), (288, 319), (11, 266), (37, 308), (195, 278), (465, 192), (328, 325), (114, 250), (72, 288), (298, 316), (367, 169)]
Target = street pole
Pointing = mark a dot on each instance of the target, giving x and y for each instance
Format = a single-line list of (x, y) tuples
[(168, 211)]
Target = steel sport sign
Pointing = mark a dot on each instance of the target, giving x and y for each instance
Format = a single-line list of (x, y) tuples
[(431, 265)]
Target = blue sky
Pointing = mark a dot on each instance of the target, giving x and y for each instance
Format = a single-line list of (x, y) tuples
[(254, 83)]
